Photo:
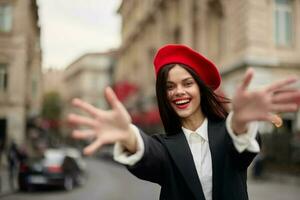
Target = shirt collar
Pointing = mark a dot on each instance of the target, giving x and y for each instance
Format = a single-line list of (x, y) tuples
[(201, 130)]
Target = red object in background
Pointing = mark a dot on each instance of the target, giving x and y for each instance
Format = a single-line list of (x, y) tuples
[(23, 168), (124, 89), (150, 117), (51, 123), (55, 169)]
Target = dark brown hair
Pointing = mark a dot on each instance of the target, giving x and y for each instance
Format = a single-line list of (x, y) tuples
[(212, 105)]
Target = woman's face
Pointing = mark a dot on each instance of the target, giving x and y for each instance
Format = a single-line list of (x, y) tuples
[(183, 93)]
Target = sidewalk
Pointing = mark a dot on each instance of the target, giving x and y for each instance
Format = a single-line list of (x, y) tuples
[(283, 178), (5, 188)]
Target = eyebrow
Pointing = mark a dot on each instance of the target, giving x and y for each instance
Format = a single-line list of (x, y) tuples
[(186, 79)]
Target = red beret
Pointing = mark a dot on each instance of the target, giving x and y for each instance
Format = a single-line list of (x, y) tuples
[(180, 54)]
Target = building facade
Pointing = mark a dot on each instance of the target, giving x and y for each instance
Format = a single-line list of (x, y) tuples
[(53, 81), (87, 77), (236, 35), (20, 67)]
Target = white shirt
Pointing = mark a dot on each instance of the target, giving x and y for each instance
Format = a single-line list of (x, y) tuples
[(198, 143)]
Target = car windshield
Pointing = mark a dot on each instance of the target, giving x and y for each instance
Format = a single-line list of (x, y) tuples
[(53, 157)]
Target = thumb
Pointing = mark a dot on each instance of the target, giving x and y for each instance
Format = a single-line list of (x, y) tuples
[(247, 79)]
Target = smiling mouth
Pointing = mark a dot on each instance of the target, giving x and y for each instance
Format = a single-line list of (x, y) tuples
[(182, 103)]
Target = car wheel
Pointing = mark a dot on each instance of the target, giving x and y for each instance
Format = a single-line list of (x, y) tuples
[(80, 179), (68, 183)]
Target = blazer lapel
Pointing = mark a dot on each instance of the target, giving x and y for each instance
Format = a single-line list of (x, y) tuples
[(182, 156), (216, 138)]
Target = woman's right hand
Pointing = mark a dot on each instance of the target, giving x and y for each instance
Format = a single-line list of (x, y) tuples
[(105, 126)]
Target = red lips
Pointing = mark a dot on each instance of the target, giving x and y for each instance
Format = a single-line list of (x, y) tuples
[(182, 103)]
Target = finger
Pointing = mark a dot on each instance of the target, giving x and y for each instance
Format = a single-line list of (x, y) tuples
[(83, 134), (290, 96), (112, 98), (93, 147), (291, 107), (247, 79), (86, 107), (281, 83), (80, 120)]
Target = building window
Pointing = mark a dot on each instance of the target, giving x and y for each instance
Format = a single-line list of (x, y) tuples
[(177, 35), (215, 33), (5, 17), (283, 22), (3, 77)]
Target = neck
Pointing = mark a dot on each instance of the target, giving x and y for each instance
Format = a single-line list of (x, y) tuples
[(193, 122)]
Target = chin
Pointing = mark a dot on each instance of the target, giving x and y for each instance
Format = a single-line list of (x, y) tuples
[(184, 114)]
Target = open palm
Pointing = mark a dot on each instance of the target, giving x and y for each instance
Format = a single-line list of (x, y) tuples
[(262, 104), (105, 126)]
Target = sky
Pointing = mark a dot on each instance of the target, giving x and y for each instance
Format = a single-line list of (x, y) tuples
[(71, 28)]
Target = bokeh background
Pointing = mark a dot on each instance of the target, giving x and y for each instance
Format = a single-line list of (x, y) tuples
[(54, 50)]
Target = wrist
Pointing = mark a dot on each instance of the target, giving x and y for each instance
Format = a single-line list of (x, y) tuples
[(238, 126), (130, 141)]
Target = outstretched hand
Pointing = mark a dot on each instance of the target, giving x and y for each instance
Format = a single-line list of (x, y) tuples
[(264, 103), (105, 126)]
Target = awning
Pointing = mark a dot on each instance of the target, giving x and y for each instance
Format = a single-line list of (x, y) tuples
[(124, 89), (150, 117)]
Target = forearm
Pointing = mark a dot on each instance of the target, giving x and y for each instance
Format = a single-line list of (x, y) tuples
[(239, 127), (245, 140), (122, 153), (130, 141)]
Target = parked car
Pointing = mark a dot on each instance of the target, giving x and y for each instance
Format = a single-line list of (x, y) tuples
[(58, 167)]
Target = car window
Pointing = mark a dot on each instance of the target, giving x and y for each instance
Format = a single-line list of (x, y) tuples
[(53, 158)]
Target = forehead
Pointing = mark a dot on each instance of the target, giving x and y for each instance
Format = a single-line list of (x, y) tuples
[(178, 73)]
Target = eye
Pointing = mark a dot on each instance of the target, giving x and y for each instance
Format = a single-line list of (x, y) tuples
[(170, 87), (188, 83)]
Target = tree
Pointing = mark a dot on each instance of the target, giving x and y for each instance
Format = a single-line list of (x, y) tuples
[(51, 115), (52, 106)]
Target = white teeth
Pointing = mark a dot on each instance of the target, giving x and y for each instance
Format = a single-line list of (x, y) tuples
[(182, 102)]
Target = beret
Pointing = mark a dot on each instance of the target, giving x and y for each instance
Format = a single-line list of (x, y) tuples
[(181, 54)]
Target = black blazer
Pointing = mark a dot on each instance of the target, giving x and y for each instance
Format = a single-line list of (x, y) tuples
[(168, 161)]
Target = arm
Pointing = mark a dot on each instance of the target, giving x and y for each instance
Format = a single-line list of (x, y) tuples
[(257, 105), (152, 165), (262, 104), (148, 161), (114, 126), (105, 126)]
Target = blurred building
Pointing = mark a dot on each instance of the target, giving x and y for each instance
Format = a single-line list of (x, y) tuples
[(262, 34), (87, 77), (53, 81), (20, 67)]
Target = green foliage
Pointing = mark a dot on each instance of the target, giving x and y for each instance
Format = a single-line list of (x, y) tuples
[(52, 106)]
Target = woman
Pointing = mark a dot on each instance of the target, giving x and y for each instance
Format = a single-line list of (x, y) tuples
[(205, 153)]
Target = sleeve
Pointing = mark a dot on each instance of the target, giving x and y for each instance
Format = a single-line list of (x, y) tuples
[(149, 162), (246, 141), (122, 156)]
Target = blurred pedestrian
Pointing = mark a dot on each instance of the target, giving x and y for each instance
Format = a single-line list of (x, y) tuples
[(13, 163), (205, 152), (2, 144), (258, 166)]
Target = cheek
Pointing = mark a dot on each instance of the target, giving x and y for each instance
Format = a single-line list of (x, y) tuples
[(170, 94)]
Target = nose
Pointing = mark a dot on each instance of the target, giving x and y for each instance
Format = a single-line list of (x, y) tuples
[(179, 91)]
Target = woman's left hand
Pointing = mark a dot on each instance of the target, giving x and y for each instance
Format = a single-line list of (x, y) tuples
[(264, 103)]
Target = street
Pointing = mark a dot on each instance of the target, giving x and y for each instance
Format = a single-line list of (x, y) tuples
[(109, 181)]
